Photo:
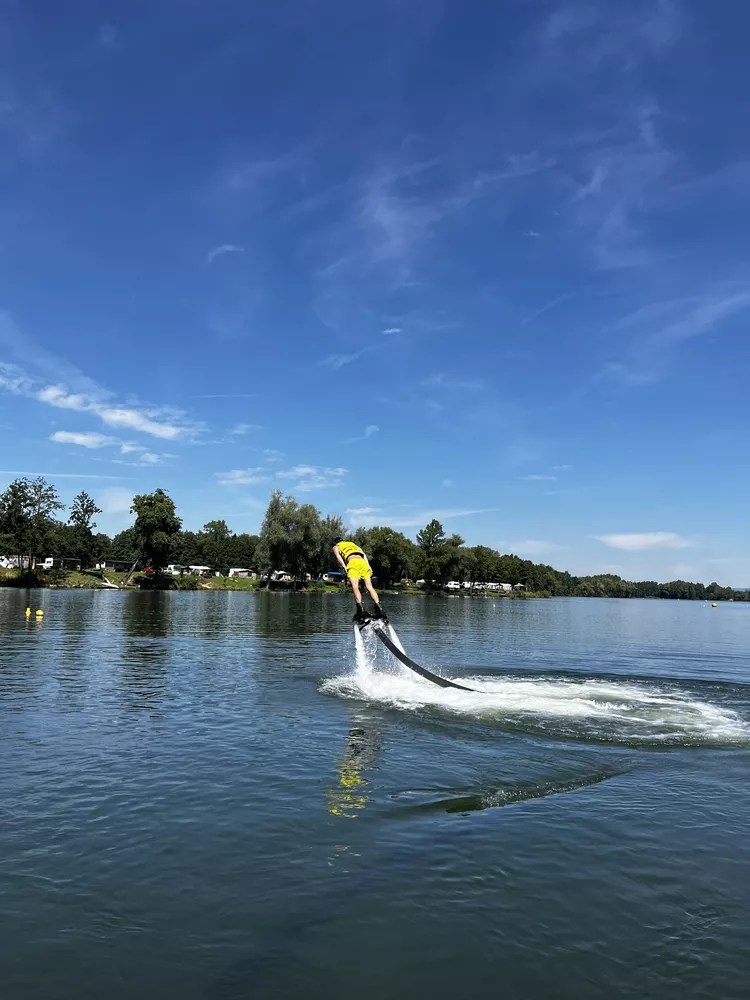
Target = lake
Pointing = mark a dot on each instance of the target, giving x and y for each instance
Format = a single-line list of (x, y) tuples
[(213, 795)]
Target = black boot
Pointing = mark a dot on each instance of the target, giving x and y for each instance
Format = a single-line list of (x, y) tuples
[(360, 615), (379, 613)]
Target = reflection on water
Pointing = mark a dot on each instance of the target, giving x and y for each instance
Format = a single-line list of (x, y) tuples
[(363, 742), (146, 652)]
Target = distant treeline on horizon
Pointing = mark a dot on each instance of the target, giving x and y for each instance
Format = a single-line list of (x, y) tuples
[(294, 538)]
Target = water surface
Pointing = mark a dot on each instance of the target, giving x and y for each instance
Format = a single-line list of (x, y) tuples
[(209, 795)]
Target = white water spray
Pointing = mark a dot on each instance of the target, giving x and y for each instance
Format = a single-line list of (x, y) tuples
[(572, 707)]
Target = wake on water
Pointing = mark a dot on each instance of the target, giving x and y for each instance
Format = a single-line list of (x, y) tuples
[(603, 710)]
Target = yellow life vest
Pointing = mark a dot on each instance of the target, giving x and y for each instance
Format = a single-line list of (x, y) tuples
[(348, 550)]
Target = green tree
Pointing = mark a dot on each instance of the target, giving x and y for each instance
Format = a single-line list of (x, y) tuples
[(391, 554), (124, 546), (245, 550), (431, 541), (102, 547), (27, 509), (81, 520), (156, 525)]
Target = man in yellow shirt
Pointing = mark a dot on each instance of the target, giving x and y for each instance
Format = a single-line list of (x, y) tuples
[(356, 567)]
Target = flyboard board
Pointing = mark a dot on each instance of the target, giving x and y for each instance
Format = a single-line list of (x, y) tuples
[(380, 629)]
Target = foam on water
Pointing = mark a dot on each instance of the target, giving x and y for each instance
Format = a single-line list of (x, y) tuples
[(587, 708)]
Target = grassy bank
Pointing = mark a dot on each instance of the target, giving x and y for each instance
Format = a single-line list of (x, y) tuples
[(92, 580)]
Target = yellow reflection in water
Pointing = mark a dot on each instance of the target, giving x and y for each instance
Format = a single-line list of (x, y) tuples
[(350, 795)]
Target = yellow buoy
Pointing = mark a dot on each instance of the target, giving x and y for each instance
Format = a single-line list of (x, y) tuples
[(28, 612), (714, 605), (39, 613)]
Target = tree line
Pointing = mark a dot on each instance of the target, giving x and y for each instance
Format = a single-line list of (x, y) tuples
[(294, 538)]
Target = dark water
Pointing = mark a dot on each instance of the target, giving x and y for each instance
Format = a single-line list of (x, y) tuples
[(206, 796)]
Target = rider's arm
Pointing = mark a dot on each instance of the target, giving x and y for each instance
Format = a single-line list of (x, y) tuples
[(341, 562)]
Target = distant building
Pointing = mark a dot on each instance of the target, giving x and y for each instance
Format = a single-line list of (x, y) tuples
[(507, 587), (332, 577), (201, 570), (453, 585), (519, 586), (237, 573), (114, 565), (53, 562)]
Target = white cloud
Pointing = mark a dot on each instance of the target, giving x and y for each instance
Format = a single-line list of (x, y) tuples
[(540, 479), (114, 416), (239, 429), (391, 330), (135, 420), (533, 233), (310, 477), (562, 468), (272, 455), (531, 547), (115, 501), (646, 541), (336, 361), (363, 511), (56, 395), (415, 520), (84, 439), (242, 477), (368, 433), (656, 330), (221, 250)]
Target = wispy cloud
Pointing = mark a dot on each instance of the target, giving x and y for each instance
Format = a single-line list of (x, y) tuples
[(645, 541), (545, 308), (241, 429), (272, 455), (532, 233), (243, 477), (336, 361), (418, 520), (219, 251), (540, 478), (86, 396), (439, 380), (140, 456), (389, 331), (311, 477), (658, 329), (368, 433), (84, 439), (363, 511), (225, 395), (562, 468)]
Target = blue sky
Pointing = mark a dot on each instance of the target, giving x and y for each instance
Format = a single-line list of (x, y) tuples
[(485, 262)]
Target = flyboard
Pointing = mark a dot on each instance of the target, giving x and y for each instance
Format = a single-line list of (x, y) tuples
[(380, 629)]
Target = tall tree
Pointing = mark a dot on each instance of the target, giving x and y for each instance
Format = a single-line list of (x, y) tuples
[(81, 518), (431, 540), (156, 525), (277, 525)]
